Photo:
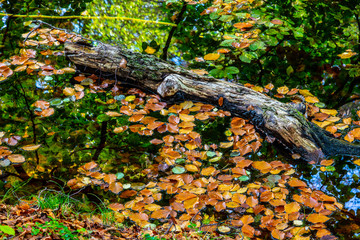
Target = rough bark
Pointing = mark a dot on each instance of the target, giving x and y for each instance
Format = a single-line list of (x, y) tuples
[(276, 120)]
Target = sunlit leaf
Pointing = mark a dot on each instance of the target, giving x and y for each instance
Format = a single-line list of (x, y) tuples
[(31, 147), (211, 56), (317, 218)]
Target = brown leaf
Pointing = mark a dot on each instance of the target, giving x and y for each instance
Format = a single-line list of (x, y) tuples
[(128, 193)]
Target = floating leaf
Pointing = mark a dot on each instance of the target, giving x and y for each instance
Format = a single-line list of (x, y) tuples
[(243, 25), (69, 91), (208, 171), (16, 158), (292, 207), (178, 170), (30, 147), (317, 218)]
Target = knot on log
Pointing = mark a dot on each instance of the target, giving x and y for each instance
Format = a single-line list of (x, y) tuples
[(170, 85)]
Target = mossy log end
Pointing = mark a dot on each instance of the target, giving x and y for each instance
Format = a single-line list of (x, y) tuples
[(276, 120)]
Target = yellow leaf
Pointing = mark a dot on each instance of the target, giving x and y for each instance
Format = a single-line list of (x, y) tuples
[(186, 104), (68, 70), (357, 162), (191, 168), (150, 50), (311, 99), (30, 147), (69, 91), (305, 93), (283, 90), (130, 98), (226, 144), (258, 89), (322, 124), (347, 54), (211, 56), (332, 112)]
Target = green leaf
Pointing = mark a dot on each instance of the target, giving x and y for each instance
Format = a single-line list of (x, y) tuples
[(56, 102), (211, 154), (243, 178), (119, 175), (178, 170), (215, 72), (289, 70), (330, 168), (227, 43), (180, 160), (215, 159), (232, 70), (226, 18), (245, 58), (7, 229)]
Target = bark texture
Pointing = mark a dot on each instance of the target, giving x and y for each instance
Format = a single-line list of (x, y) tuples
[(276, 120)]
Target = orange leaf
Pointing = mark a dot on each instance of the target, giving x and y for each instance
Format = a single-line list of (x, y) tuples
[(247, 219), (160, 214), (47, 112), (113, 114), (221, 101), (190, 203), (90, 165), (208, 171), (128, 193), (263, 166), (232, 204), (292, 207), (156, 141), (317, 218), (116, 206), (327, 162), (115, 187), (297, 183), (248, 230), (42, 104), (252, 201), (242, 25)]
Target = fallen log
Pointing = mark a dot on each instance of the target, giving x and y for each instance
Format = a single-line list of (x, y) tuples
[(293, 134)]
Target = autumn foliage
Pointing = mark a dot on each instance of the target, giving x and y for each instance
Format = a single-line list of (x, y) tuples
[(227, 188)]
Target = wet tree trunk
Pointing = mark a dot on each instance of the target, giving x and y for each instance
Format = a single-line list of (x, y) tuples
[(292, 133)]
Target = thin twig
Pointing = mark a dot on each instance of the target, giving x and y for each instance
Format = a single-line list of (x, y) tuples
[(32, 119), (102, 140), (172, 31)]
